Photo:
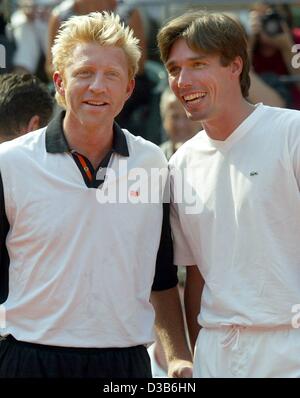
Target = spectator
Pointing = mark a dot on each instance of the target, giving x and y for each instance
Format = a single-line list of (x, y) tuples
[(25, 105), (259, 90), (177, 126), (7, 46), (29, 27), (270, 42)]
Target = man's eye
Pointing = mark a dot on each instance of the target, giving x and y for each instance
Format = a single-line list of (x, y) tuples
[(84, 73), (112, 73), (173, 71), (198, 65)]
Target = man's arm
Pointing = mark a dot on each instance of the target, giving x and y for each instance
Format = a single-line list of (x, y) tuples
[(170, 328), (4, 258), (192, 300), (165, 300)]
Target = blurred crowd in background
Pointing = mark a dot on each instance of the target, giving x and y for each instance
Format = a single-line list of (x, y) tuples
[(28, 29)]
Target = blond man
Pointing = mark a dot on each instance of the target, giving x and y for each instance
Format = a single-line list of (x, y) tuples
[(77, 269)]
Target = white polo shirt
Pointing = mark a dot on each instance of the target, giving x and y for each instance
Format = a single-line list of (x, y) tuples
[(80, 272), (244, 231)]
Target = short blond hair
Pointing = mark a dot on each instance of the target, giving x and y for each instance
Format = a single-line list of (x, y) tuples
[(103, 28)]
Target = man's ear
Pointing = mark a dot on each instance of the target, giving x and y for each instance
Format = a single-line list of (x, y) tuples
[(237, 66), (34, 123), (59, 84), (130, 88)]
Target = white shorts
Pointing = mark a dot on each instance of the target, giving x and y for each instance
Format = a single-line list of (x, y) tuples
[(237, 351)]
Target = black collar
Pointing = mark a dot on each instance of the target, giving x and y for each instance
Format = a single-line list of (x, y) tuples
[(56, 141)]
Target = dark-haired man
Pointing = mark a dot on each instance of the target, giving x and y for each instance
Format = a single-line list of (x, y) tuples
[(240, 234), (25, 105)]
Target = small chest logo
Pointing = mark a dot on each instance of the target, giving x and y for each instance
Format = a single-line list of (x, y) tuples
[(253, 173), (134, 194)]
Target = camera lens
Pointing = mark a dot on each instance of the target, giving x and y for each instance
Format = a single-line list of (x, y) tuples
[(271, 23)]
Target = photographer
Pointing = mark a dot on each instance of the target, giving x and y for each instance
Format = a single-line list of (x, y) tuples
[(270, 45)]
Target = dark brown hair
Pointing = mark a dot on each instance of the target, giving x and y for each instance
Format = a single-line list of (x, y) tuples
[(21, 97)]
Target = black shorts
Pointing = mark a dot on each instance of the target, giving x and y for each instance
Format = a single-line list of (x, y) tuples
[(20, 359)]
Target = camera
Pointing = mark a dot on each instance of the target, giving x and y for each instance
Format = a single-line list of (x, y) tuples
[(271, 23)]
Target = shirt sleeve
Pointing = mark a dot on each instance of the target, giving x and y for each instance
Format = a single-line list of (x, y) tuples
[(182, 252), (4, 258), (165, 272)]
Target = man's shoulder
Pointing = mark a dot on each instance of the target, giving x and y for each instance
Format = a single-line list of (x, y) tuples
[(187, 149), (281, 122), (273, 113), (24, 143), (140, 146)]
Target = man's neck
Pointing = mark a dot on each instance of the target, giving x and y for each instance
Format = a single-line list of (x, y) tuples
[(221, 128), (93, 143)]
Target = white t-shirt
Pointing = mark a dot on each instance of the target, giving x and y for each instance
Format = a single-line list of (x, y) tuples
[(243, 229)]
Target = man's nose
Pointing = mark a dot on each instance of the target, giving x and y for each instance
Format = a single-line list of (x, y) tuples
[(98, 83), (184, 79)]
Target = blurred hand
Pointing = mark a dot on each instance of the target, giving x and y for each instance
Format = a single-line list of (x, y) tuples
[(180, 369)]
